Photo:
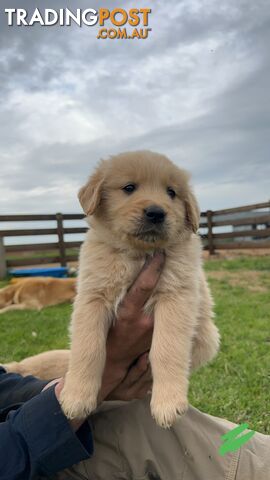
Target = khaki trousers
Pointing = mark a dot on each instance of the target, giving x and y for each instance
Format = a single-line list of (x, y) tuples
[(130, 446)]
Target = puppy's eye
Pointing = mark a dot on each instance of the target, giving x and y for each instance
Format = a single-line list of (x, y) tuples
[(171, 192), (129, 188)]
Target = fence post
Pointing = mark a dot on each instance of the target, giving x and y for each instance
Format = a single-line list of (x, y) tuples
[(61, 241), (211, 246), (3, 263)]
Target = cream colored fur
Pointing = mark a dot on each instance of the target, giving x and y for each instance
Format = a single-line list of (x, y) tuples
[(45, 365), (111, 257), (36, 293)]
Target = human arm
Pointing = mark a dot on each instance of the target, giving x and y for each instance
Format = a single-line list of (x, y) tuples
[(37, 438), (15, 390)]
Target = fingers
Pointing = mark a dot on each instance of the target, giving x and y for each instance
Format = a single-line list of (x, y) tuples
[(51, 383), (58, 388), (146, 389), (141, 387), (76, 422), (143, 286), (137, 371), (137, 383)]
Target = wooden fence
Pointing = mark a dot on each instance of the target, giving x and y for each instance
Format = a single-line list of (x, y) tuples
[(19, 255), (254, 219), (249, 225)]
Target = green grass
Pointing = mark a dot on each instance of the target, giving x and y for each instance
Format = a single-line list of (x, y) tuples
[(235, 386), (242, 263), (25, 333)]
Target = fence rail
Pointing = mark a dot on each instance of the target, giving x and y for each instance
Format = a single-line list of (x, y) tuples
[(249, 228)]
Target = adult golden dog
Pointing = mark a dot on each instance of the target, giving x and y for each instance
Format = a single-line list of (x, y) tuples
[(45, 365), (36, 293), (137, 203)]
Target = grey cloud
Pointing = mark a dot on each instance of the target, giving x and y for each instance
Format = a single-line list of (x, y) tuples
[(196, 90)]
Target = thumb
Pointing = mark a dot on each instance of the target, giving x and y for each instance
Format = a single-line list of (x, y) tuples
[(58, 388)]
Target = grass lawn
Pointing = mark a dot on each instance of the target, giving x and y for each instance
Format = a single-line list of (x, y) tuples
[(236, 385)]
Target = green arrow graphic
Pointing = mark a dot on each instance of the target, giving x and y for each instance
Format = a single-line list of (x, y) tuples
[(231, 440)]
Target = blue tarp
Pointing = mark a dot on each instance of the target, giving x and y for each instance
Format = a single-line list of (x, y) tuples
[(40, 272)]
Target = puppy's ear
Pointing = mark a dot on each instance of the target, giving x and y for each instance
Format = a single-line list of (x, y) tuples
[(90, 194), (192, 212)]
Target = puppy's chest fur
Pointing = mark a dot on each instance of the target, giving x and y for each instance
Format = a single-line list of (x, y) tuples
[(106, 274)]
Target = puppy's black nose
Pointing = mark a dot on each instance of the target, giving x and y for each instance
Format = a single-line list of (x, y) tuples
[(155, 214)]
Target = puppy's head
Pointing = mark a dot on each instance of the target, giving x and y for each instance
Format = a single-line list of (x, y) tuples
[(141, 199)]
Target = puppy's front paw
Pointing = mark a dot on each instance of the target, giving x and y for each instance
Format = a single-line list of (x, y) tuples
[(78, 401), (167, 405)]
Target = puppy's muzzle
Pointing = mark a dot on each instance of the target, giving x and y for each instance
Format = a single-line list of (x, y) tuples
[(152, 224), (154, 214)]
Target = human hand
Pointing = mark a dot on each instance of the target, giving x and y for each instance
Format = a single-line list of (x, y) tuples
[(131, 336), (136, 384), (59, 385)]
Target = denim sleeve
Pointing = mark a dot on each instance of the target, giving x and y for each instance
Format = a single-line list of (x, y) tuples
[(15, 389), (37, 440)]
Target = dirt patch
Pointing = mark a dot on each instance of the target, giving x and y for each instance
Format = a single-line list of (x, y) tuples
[(250, 280)]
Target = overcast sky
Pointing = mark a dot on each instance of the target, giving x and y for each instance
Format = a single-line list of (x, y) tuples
[(197, 90)]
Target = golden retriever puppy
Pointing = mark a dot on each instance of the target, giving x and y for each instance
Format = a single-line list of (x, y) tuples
[(36, 293), (45, 365), (138, 203)]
